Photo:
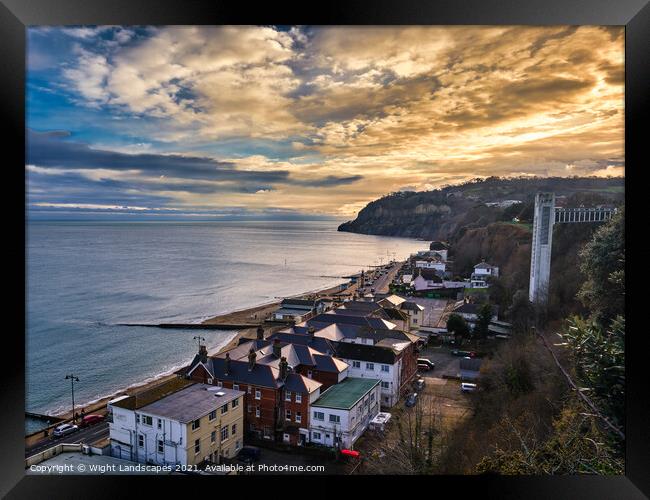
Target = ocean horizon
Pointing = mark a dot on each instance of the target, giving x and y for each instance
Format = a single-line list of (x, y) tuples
[(84, 278)]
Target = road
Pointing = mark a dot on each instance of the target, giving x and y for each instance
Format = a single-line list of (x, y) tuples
[(88, 435), (381, 284)]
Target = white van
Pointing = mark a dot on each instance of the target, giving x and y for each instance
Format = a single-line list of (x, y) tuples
[(467, 387)]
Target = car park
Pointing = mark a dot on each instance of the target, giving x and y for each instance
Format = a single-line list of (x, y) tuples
[(64, 430), (411, 400)]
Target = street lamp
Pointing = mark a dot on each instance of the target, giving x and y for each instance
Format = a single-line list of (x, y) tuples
[(73, 379)]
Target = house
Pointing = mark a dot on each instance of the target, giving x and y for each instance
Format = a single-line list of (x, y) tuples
[(343, 412), (197, 423), (394, 366), (469, 312), (483, 269), (431, 263), (415, 314), (277, 398), (297, 310), (470, 368), (427, 279)]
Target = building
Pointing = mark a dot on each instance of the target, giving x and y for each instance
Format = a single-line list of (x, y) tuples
[(390, 366), (485, 270), (277, 395), (427, 279), (297, 310), (470, 368), (469, 312), (342, 413), (415, 314), (197, 423)]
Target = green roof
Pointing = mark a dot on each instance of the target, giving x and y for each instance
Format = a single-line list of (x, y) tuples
[(345, 395)]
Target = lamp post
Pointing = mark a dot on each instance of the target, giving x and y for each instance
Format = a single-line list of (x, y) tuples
[(73, 379)]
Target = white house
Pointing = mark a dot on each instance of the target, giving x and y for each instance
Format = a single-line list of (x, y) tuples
[(431, 264), (195, 423), (415, 312), (343, 412), (483, 269), (426, 279)]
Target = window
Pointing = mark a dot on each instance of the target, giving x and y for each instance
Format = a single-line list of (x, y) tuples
[(235, 403), (385, 385), (224, 409), (224, 434), (258, 394), (159, 423), (287, 396), (298, 397), (319, 415), (415, 321), (209, 381), (197, 446), (370, 366), (213, 436), (309, 373), (250, 408), (249, 389), (147, 420), (213, 415), (141, 440), (257, 411), (356, 364), (137, 418), (287, 415), (385, 368), (196, 424), (335, 418), (235, 387), (161, 446), (315, 435), (237, 444), (372, 397), (298, 417), (233, 429)]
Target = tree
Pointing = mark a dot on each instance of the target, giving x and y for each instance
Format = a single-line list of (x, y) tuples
[(457, 325), (521, 312), (599, 358), (603, 264), (483, 322)]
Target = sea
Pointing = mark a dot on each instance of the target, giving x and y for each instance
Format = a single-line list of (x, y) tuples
[(84, 279)]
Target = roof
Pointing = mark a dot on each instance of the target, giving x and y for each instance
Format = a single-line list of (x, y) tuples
[(438, 245), (294, 312), (473, 309), (394, 300), (359, 305), (472, 365), (363, 352), (396, 314), (147, 396), (192, 402), (483, 265), (300, 303), (297, 383), (412, 306), (346, 394), (327, 319), (260, 375)]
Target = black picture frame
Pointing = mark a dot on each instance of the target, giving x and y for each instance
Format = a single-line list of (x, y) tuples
[(16, 15)]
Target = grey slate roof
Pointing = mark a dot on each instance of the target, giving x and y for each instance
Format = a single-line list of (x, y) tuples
[(411, 306), (297, 383), (327, 319), (364, 352), (191, 403)]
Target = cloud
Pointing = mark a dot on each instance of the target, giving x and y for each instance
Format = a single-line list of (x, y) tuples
[(225, 110)]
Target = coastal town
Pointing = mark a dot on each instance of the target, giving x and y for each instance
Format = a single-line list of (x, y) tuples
[(313, 379)]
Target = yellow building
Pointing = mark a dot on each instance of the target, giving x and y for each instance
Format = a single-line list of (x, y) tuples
[(199, 422)]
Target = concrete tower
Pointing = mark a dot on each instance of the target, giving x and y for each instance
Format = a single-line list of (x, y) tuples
[(540, 258)]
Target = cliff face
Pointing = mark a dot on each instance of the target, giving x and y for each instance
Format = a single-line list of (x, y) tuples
[(439, 214)]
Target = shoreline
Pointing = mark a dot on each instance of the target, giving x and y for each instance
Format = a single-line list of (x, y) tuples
[(251, 317)]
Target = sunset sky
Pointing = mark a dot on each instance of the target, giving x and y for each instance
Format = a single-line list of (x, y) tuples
[(288, 121)]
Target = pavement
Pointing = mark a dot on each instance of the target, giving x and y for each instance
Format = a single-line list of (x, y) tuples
[(88, 435)]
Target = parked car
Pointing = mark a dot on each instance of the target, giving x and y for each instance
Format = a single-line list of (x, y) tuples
[(467, 387), (411, 400), (419, 384), (426, 362), (456, 352), (249, 454), (64, 430), (89, 420)]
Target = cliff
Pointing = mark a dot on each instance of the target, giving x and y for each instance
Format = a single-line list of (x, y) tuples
[(439, 214)]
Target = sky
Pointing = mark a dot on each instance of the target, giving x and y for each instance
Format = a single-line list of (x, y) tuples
[(309, 122)]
